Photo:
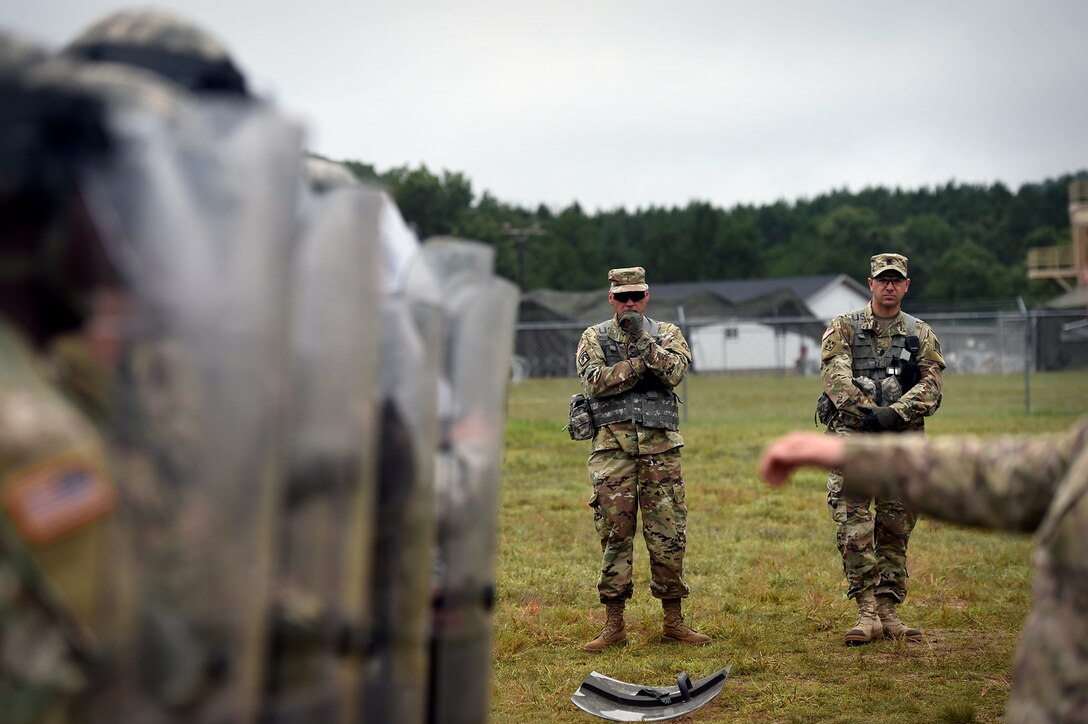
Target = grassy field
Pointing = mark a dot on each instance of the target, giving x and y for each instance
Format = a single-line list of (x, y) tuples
[(765, 576)]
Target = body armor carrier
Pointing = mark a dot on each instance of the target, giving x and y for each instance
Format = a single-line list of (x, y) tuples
[(650, 403), (867, 363), (883, 378)]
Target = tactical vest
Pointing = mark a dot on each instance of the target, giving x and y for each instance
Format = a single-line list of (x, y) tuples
[(866, 361), (650, 403)]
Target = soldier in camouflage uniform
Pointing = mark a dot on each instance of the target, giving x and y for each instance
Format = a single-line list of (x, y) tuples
[(629, 366), (1020, 484), (881, 372), (58, 499)]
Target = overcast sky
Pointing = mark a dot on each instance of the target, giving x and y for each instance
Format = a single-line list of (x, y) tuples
[(635, 102)]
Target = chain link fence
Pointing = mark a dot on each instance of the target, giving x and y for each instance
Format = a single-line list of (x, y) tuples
[(972, 342)]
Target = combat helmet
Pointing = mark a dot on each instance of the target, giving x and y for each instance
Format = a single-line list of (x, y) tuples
[(164, 44), (324, 175)]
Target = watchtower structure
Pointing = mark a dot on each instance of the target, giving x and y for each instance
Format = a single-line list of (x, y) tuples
[(1067, 265)]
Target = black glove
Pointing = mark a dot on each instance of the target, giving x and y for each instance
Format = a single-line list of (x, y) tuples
[(631, 323), (878, 419)]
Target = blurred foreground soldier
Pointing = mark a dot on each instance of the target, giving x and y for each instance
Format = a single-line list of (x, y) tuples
[(881, 372), (412, 344), (202, 208), (629, 366), (480, 312), (1019, 484), (321, 626), (57, 496)]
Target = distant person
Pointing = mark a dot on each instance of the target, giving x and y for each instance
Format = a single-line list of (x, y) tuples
[(1011, 483), (801, 365), (881, 372), (629, 366)]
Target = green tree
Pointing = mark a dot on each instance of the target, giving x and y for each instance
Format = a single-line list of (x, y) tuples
[(967, 271), (433, 204)]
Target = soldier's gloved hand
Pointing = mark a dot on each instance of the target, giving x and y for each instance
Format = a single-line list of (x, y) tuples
[(631, 323), (881, 418), (867, 387)]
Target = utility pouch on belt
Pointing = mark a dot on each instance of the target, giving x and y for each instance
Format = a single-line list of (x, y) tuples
[(580, 425)]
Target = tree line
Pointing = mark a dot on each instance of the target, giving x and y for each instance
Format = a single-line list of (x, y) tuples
[(967, 243)]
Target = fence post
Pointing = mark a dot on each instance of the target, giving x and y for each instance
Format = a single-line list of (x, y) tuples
[(1027, 355), (684, 330), (1001, 342)]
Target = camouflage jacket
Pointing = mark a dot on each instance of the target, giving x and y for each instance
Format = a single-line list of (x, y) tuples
[(667, 357), (53, 561), (836, 370), (1017, 484)]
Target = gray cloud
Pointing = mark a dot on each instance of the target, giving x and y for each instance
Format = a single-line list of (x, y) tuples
[(636, 103)]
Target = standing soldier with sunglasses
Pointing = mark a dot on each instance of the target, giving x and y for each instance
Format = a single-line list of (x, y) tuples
[(629, 366), (881, 372)]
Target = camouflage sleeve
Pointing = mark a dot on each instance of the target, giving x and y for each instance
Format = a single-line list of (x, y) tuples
[(669, 357), (598, 379), (924, 398), (1005, 483), (836, 369)]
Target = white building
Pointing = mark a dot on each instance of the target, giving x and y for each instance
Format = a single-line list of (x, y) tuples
[(752, 339)]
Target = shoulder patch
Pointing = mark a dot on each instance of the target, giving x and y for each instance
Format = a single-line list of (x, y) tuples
[(56, 498), (827, 331)]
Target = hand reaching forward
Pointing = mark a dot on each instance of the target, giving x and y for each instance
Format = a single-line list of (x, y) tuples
[(784, 455)]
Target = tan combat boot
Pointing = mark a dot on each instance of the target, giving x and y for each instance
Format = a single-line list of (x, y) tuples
[(613, 632), (675, 628), (868, 628), (893, 627)]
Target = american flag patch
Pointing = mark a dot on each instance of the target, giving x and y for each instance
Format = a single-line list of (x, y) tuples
[(55, 500)]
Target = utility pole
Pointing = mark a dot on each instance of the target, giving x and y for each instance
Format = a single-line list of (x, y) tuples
[(520, 234)]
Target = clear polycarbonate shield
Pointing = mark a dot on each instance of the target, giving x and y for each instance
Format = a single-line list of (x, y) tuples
[(480, 318), (322, 623), (411, 343), (201, 225), (615, 700)]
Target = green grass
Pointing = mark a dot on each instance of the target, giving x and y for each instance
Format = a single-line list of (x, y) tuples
[(765, 576)]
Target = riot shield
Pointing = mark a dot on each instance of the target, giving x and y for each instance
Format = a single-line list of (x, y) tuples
[(480, 318), (322, 621), (615, 700), (201, 224), (411, 341)]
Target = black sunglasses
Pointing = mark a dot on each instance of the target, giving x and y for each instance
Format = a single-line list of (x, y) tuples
[(624, 297)]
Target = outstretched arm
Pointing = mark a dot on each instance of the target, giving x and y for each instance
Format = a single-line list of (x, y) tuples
[(799, 449), (1006, 483)]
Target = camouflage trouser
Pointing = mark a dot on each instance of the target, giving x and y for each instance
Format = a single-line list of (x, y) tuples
[(874, 551), (38, 670), (621, 486)]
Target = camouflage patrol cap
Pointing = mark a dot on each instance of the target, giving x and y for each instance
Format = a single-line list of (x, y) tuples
[(888, 262), (164, 44), (628, 279)]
